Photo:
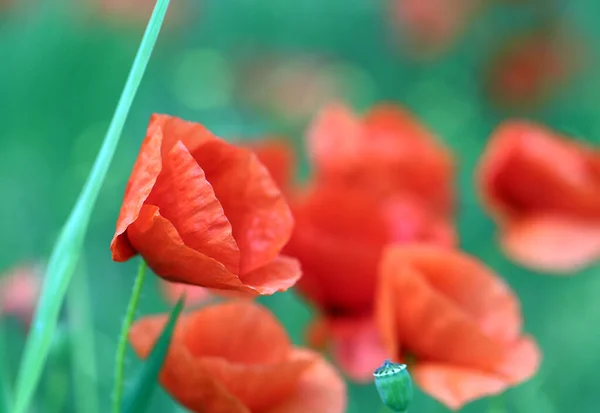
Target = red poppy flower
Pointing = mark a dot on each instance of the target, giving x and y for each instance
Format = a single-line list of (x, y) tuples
[(387, 151), (530, 67), (19, 291), (369, 190), (544, 191), (457, 319), (204, 212), (218, 363)]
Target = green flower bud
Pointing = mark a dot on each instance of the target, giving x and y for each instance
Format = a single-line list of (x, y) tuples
[(394, 385)]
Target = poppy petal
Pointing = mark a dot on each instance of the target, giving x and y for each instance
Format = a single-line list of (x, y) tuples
[(143, 177), (334, 136), (278, 275), (259, 214), (193, 135), (248, 327), (165, 252), (357, 347), (320, 390), (257, 386), (432, 317), (456, 386), (553, 244), (521, 362), (187, 200), (187, 381)]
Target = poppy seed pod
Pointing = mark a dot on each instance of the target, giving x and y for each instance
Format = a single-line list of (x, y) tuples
[(394, 385)]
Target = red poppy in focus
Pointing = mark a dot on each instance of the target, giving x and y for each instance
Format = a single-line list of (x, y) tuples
[(543, 189), (218, 363), (204, 212), (19, 291), (432, 26), (372, 187), (457, 321), (530, 67)]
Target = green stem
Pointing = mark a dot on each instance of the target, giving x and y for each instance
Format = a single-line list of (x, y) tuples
[(122, 346), (64, 257)]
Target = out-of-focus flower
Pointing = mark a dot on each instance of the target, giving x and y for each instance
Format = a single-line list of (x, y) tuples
[(394, 385), (386, 152), (19, 291), (219, 362), (430, 27), (295, 87), (204, 212), (531, 67), (457, 319), (544, 192), (370, 189)]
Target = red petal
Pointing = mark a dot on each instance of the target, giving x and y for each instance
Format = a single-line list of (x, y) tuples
[(278, 275), (320, 390), (452, 308), (259, 215), (140, 184), (186, 199), (159, 243), (553, 244), (278, 157)]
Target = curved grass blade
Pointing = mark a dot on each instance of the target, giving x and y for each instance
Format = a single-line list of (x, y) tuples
[(137, 399), (66, 251), (83, 354)]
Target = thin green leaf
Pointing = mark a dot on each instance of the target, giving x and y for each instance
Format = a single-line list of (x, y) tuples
[(137, 399), (83, 353), (66, 251), (5, 392), (122, 345)]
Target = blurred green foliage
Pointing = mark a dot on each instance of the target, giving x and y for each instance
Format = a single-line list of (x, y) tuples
[(62, 70)]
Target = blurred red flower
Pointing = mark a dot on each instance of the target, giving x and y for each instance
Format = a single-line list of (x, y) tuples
[(219, 362), (372, 186), (455, 321), (530, 67), (278, 157), (19, 291), (194, 295), (140, 10), (204, 212), (432, 26), (544, 191)]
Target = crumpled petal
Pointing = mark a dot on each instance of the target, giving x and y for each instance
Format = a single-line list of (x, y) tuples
[(186, 199), (143, 177), (320, 390), (553, 244), (259, 214), (156, 239)]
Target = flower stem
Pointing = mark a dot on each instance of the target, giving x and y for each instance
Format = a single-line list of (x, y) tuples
[(122, 345)]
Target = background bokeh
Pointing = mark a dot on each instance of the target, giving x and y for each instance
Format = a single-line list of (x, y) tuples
[(249, 69)]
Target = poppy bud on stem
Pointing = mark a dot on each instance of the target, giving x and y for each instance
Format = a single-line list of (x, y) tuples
[(394, 385)]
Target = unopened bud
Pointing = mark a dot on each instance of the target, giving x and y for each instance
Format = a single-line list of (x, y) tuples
[(394, 385)]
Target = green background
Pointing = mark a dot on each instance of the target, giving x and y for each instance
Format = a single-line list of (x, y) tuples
[(62, 67)]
